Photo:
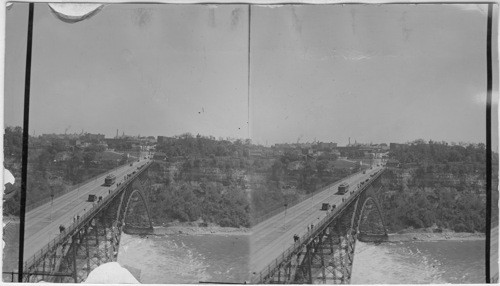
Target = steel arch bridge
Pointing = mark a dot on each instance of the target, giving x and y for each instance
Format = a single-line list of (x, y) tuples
[(326, 254), (95, 238)]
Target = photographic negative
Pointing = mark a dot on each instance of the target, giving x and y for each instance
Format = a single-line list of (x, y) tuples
[(245, 143)]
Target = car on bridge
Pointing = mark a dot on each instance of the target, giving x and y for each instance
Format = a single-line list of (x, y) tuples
[(92, 198), (343, 188), (109, 180)]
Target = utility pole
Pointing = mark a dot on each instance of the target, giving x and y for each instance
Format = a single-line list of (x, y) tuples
[(51, 206), (284, 218), (284, 225)]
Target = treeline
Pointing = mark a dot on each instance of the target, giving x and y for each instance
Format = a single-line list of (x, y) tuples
[(310, 173), (436, 153), (205, 202), (202, 181), (203, 146), (12, 144), (47, 174), (289, 178), (439, 184), (445, 207)]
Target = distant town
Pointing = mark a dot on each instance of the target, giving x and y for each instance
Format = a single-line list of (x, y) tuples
[(349, 155)]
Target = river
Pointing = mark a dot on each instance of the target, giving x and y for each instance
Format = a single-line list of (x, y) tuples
[(184, 259), (224, 258), (419, 262)]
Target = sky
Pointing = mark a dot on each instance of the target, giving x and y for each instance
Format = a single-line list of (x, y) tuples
[(371, 73)]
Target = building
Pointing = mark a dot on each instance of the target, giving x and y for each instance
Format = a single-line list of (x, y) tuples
[(160, 156), (326, 146), (89, 137), (344, 164), (391, 163), (396, 146), (164, 139)]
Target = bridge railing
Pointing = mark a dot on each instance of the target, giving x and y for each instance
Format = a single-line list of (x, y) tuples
[(291, 204), (75, 226), (268, 270)]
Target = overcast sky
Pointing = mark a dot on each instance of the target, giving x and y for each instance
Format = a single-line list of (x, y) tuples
[(375, 73)]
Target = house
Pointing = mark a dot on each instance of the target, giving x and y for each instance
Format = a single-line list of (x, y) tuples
[(344, 164), (160, 156), (391, 163), (62, 156)]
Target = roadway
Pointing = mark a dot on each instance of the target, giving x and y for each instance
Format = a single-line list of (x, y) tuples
[(270, 238), (42, 223)]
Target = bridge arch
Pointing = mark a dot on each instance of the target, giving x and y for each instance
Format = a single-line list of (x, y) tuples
[(134, 191), (378, 231)]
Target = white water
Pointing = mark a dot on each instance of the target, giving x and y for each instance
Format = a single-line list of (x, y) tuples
[(224, 258), (419, 262), (186, 258)]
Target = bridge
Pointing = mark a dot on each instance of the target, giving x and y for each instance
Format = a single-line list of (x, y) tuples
[(67, 238), (323, 250)]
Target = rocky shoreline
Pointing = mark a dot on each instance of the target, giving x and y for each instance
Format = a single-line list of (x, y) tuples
[(433, 236), (200, 230)]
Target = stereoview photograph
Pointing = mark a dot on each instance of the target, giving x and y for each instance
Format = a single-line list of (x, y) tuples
[(245, 143)]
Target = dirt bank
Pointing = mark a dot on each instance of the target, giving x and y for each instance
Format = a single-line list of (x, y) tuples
[(416, 235)]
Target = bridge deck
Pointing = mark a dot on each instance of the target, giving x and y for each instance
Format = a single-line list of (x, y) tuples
[(273, 236), (42, 224)]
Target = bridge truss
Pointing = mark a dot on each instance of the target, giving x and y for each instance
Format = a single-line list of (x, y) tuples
[(94, 239), (325, 255)]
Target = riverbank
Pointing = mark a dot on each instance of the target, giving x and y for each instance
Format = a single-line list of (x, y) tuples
[(424, 235), (188, 229)]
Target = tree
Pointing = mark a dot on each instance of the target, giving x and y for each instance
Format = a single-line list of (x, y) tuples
[(43, 160), (88, 157), (13, 142), (73, 166), (322, 166), (277, 171)]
